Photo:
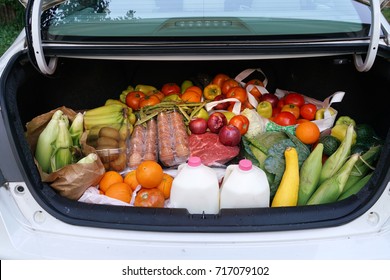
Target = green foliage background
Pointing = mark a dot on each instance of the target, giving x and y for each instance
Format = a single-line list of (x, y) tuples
[(10, 30)]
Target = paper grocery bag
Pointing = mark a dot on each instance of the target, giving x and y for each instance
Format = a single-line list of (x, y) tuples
[(38, 124), (72, 180)]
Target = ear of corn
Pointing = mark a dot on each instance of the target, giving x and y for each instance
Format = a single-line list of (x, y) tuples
[(363, 166), (62, 154), (355, 188), (309, 174), (76, 129), (90, 158), (45, 143), (330, 190), (338, 158)]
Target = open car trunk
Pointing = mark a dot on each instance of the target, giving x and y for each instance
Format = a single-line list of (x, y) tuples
[(82, 84)]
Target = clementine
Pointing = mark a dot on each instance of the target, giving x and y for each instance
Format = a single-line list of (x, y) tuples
[(131, 179), (307, 132), (109, 178), (149, 174), (120, 191), (166, 185)]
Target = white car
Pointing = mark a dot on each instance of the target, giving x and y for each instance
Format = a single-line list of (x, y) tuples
[(78, 54)]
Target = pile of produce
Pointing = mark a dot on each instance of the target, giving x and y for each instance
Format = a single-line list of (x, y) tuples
[(220, 120)]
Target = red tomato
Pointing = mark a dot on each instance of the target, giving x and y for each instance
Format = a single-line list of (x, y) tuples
[(228, 84), (219, 79), (275, 111), (170, 88), (294, 98), (280, 103), (149, 198), (308, 111), (293, 109), (285, 118), (241, 122), (254, 91), (133, 99), (237, 92), (149, 100)]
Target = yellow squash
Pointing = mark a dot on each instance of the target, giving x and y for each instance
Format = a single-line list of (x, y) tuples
[(287, 192)]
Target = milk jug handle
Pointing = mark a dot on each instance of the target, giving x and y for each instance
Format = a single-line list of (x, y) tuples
[(229, 171)]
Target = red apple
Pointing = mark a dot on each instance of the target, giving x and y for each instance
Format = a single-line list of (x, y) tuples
[(216, 121), (229, 135), (198, 126), (271, 98), (221, 106)]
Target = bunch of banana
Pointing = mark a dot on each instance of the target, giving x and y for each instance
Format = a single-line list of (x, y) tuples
[(104, 115), (130, 114), (58, 143), (111, 147)]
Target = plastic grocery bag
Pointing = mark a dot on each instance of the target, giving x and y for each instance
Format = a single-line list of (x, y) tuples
[(329, 119), (323, 124)]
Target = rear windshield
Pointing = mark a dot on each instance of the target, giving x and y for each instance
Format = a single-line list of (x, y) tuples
[(205, 20)]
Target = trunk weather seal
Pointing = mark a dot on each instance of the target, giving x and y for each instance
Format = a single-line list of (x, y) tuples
[(364, 66), (34, 40)]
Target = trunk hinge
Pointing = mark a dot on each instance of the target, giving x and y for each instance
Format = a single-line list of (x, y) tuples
[(34, 40), (364, 66)]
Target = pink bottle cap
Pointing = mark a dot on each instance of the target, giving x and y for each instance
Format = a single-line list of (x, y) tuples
[(194, 161), (245, 165)]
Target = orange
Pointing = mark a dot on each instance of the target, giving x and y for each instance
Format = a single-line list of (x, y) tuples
[(302, 120), (149, 174), (165, 185), (120, 191), (109, 178), (131, 179), (307, 132), (191, 96)]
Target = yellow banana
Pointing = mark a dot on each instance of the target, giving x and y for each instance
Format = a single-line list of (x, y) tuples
[(124, 129), (105, 120), (104, 110), (115, 101)]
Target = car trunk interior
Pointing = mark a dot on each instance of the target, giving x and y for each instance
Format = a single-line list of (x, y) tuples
[(81, 84)]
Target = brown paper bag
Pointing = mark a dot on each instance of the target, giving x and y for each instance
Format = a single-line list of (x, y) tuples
[(70, 181)]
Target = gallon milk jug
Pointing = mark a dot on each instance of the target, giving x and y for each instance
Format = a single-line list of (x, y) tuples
[(196, 188), (244, 186)]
